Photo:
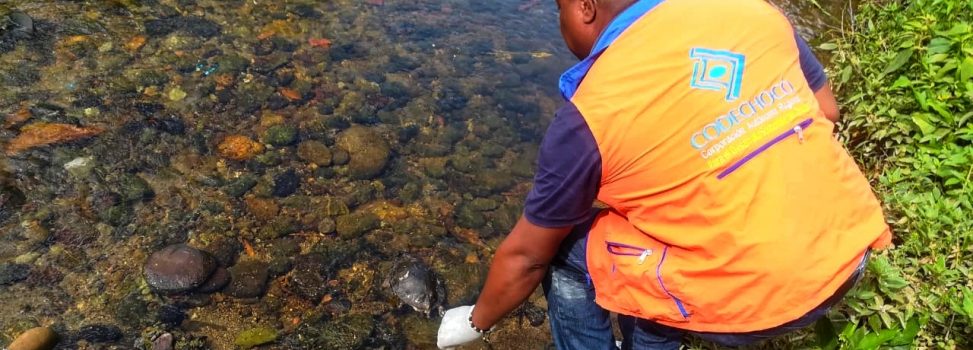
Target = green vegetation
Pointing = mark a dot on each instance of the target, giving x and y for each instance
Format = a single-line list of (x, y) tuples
[(904, 74)]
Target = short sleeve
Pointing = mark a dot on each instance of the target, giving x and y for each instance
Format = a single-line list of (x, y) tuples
[(568, 173), (812, 68)]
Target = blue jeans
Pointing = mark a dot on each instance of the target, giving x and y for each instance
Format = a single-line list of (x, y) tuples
[(577, 322)]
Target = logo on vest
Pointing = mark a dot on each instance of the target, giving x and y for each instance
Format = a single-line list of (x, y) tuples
[(717, 70)]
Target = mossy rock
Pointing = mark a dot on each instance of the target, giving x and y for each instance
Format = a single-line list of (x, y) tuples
[(278, 227), (240, 186), (434, 167), (332, 206), (255, 336), (494, 181), (368, 151), (467, 216), (484, 204), (347, 332), (314, 152), (134, 188), (355, 224), (280, 135), (232, 63)]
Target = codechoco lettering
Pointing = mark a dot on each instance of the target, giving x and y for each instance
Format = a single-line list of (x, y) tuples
[(730, 134)]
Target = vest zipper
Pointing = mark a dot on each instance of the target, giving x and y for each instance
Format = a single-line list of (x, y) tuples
[(796, 130), (629, 250)]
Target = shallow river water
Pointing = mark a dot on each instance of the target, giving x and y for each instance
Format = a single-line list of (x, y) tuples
[(338, 171)]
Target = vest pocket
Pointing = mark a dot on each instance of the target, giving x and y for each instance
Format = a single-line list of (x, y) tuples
[(796, 130), (635, 265)]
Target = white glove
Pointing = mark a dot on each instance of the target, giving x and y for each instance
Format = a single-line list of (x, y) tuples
[(455, 330)]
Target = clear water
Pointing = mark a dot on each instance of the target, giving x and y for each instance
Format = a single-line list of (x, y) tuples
[(460, 91)]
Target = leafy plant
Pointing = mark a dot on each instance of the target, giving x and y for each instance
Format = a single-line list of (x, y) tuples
[(904, 72)]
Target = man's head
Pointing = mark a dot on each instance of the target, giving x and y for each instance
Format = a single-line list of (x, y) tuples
[(583, 20)]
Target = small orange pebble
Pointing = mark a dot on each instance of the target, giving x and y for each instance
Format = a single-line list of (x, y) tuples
[(248, 248), (150, 91), (135, 43), (319, 42), (290, 94), (266, 34), (74, 39), (223, 80), (326, 298), (239, 147)]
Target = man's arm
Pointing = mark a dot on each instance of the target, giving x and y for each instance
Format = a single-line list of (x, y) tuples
[(518, 267), (566, 183), (828, 103), (817, 79)]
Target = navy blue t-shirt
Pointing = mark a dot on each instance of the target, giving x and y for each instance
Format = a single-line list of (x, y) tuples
[(569, 164)]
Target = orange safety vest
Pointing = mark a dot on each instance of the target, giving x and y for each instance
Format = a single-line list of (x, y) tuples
[(733, 206)]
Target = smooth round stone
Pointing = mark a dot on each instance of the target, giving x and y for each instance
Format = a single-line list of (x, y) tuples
[(40, 338), (163, 342), (217, 281), (368, 150), (178, 268)]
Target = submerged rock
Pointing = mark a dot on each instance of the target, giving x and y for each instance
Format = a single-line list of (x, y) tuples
[(13, 273), (171, 316), (100, 333), (134, 188), (193, 25), (307, 278), (163, 342), (280, 135), (347, 332), (11, 199), (355, 224), (217, 281), (417, 286), (178, 268), (39, 338), (248, 279), (314, 152), (368, 151), (286, 183), (21, 21)]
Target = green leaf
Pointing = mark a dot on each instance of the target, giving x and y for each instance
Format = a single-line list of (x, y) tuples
[(900, 60), (901, 82), (966, 69), (875, 340), (939, 45), (826, 334), (968, 302), (922, 121), (828, 46), (957, 30), (907, 335), (845, 74)]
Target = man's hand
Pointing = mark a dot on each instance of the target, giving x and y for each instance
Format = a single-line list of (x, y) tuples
[(455, 330)]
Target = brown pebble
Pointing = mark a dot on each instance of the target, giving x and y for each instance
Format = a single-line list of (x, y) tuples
[(40, 338)]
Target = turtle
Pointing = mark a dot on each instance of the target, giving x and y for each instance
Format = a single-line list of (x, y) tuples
[(416, 285)]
